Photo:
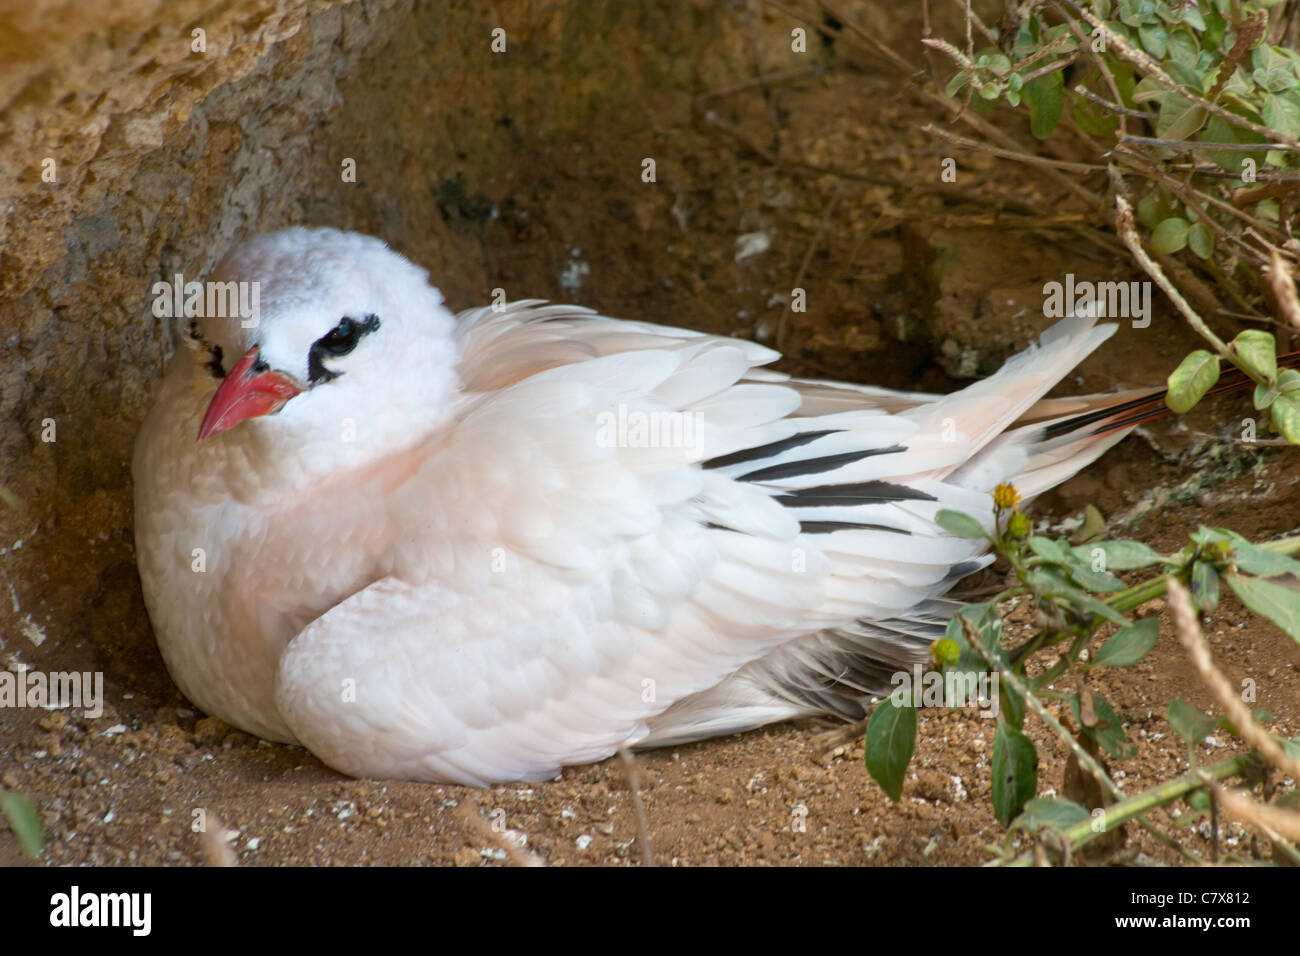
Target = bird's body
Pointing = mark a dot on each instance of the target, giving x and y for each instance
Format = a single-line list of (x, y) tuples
[(480, 548)]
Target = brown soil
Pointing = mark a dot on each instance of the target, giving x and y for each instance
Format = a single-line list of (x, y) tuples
[(906, 285)]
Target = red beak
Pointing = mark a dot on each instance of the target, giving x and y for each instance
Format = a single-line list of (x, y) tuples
[(246, 394)]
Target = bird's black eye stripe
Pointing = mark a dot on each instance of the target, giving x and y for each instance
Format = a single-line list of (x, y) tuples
[(214, 363), (339, 341)]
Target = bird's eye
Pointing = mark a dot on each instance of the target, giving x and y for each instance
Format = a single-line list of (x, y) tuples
[(339, 341), (343, 338)]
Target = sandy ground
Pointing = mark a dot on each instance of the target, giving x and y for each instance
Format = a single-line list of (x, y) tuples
[(131, 786)]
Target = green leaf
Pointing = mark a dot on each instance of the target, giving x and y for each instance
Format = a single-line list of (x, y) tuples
[(1093, 119), (1275, 81), (25, 821), (1179, 118), (993, 59), (1149, 90), (1192, 725), (1009, 700), (987, 622), (1093, 527), (1183, 49), (1170, 236), (1053, 551), (1129, 644), (1192, 17), (1215, 26), (1205, 536), (1148, 209), (1046, 98), (1261, 562), (1155, 40), (1194, 376), (1015, 772), (1219, 130), (1116, 555), (1050, 812), (1108, 732), (1091, 603), (959, 523), (1279, 604), (1256, 352), (957, 83), (1201, 240), (1131, 12), (1027, 37), (1205, 585), (1285, 411), (1282, 112), (890, 743), (1099, 582)]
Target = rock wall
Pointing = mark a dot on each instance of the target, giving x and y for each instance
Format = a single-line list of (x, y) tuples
[(139, 140)]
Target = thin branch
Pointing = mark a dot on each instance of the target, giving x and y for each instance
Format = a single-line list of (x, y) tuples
[(1139, 59), (1050, 68), (1188, 146), (1088, 94), (472, 813), (1193, 198), (1276, 823), (1193, 640), (638, 805), (214, 843), (1138, 164), (1282, 285), (1128, 233), (970, 43), (1083, 833), (975, 18), (766, 79), (1086, 760), (1102, 67), (946, 48), (1009, 153)]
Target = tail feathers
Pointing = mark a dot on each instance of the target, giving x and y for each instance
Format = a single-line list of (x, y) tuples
[(984, 410), (1132, 410), (842, 671), (1041, 455), (836, 672)]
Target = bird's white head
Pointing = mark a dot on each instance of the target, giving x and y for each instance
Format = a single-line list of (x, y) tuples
[(350, 342)]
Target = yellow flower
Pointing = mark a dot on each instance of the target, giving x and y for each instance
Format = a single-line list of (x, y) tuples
[(1005, 496)]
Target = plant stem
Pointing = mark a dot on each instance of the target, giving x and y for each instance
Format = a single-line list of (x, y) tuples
[(1085, 759), (1083, 833), (1128, 233)]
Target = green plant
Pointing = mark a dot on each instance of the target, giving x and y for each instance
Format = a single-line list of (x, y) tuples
[(24, 820), (1075, 594), (1192, 111)]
